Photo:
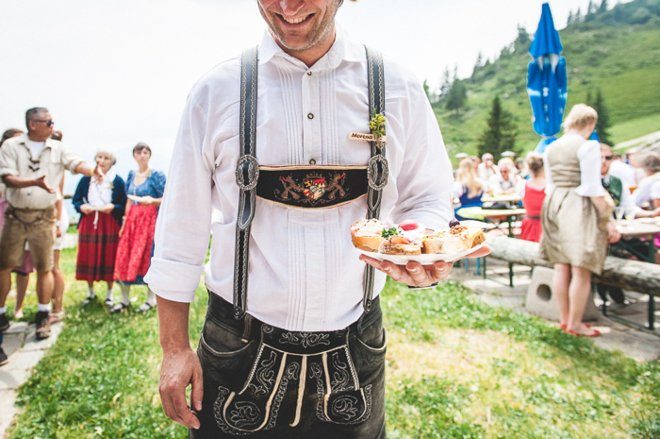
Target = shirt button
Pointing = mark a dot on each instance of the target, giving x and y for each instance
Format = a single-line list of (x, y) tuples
[(310, 116), (309, 73), (312, 162)]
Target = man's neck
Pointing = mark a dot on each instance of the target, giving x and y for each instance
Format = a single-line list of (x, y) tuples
[(313, 54), (36, 138)]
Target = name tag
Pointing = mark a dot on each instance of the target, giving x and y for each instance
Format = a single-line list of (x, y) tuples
[(365, 137)]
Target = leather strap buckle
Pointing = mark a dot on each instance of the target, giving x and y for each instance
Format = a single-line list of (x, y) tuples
[(247, 172), (378, 171)]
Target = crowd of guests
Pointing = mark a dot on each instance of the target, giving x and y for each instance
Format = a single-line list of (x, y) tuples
[(115, 230), (572, 195)]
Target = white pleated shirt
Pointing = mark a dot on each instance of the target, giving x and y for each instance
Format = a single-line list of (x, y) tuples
[(304, 274)]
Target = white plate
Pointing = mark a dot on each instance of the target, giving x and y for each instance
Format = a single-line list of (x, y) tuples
[(424, 259)]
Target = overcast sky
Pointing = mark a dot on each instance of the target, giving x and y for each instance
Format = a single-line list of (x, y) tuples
[(117, 72)]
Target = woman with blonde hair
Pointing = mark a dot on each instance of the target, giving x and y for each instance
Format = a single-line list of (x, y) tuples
[(576, 217), (468, 187)]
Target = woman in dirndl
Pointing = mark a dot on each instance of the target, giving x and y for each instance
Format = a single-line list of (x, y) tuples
[(144, 189), (101, 204), (533, 196), (576, 217)]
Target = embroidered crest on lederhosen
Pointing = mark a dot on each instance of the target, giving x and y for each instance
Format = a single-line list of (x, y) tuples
[(312, 186)]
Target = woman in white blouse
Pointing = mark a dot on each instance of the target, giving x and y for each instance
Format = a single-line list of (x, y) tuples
[(576, 217), (647, 194)]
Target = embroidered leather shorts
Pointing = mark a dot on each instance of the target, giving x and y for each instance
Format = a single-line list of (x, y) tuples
[(265, 382)]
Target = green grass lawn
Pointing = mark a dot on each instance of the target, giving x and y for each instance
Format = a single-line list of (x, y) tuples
[(455, 368)]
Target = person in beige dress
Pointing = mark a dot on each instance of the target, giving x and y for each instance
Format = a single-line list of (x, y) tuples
[(576, 217)]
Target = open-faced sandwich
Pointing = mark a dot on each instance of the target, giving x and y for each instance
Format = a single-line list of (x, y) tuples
[(455, 240), (410, 238), (367, 234)]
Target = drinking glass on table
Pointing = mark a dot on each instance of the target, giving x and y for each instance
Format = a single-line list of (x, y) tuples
[(619, 211), (629, 213)]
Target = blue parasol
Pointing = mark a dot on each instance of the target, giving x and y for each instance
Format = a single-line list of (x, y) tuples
[(547, 84)]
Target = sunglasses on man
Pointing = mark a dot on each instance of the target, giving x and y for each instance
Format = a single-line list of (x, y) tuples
[(608, 157), (49, 123)]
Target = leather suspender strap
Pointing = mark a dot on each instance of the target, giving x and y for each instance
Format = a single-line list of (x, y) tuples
[(247, 169), (377, 169), (247, 175)]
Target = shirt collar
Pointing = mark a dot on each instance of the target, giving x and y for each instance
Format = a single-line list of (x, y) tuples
[(23, 139), (342, 50)]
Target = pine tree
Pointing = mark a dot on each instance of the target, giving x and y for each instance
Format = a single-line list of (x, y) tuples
[(445, 85), (457, 97), (591, 8), (500, 133), (604, 6), (522, 41), (603, 124), (479, 63), (570, 19), (578, 16)]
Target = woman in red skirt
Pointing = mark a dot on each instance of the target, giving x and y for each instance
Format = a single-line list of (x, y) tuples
[(144, 189), (101, 205), (533, 199)]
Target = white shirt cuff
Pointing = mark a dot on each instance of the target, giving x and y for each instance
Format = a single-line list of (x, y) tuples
[(176, 281)]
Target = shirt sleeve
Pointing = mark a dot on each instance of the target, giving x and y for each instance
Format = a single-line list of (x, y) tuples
[(457, 190), (158, 184), (425, 182), (184, 218), (8, 162), (655, 190), (69, 159), (590, 163)]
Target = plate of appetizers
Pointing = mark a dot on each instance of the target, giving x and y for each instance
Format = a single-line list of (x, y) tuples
[(410, 241)]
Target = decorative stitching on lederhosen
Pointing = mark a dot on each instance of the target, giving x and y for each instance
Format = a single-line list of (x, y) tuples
[(327, 365)]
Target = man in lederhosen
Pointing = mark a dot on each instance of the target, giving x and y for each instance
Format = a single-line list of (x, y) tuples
[(276, 157)]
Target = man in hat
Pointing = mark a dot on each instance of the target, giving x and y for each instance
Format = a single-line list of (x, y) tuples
[(279, 175)]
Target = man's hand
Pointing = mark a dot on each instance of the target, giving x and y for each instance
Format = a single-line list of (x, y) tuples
[(41, 182), (147, 200), (179, 369), (98, 173), (415, 274)]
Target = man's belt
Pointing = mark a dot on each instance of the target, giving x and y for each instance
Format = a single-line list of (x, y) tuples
[(312, 186)]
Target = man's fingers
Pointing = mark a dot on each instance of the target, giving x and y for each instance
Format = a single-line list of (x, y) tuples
[(168, 406), (397, 272), (440, 270), (183, 412), (418, 274), (394, 271), (197, 392)]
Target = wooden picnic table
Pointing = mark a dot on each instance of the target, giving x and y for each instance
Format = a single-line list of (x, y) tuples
[(507, 215), (639, 228)]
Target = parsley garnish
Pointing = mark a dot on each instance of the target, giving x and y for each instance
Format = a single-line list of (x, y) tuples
[(392, 231)]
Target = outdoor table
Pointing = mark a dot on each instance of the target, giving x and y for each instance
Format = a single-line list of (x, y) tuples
[(639, 228), (504, 198), (508, 215)]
